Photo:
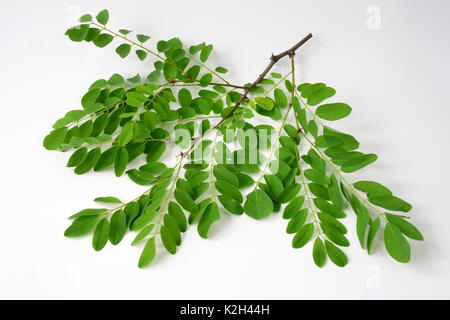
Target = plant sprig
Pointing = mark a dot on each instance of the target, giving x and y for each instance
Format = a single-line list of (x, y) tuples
[(225, 164)]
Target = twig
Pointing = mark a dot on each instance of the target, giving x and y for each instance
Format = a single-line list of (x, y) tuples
[(273, 59)]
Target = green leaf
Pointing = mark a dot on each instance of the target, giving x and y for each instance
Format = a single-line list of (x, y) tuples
[(372, 233), (313, 128), (319, 254), (92, 34), (53, 140), (78, 33), (170, 71), (76, 115), (162, 46), (127, 115), (85, 130), (148, 254), (124, 31), (205, 80), (101, 234), (121, 161), (289, 193), (373, 189), (359, 162), (274, 185), (303, 120), (396, 245), (341, 157), (258, 204), (132, 211), (62, 122), (230, 190), (320, 95), (297, 222), (178, 215), (265, 103), (230, 204), (81, 226), (335, 193), (307, 89), (303, 236), (77, 157), (223, 174), (136, 97), (143, 233), (123, 50), (348, 141), (291, 132), (116, 79), (103, 17), (329, 220), (221, 70), (289, 144), (391, 203), (154, 76), (178, 54), (280, 98), (335, 235), (336, 255), (88, 212), (194, 49), (107, 200), (85, 18), (142, 38), (316, 176), (327, 141), (185, 97), (156, 151), (319, 191), (185, 200), (106, 159), (89, 162), (288, 85), (144, 219), (103, 40), (293, 207), (141, 54), (171, 224), (327, 207), (333, 111), (168, 240), (206, 50), (210, 215), (126, 134), (118, 227), (407, 228), (362, 221)]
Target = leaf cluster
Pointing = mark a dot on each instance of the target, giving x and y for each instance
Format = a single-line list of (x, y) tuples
[(224, 163)]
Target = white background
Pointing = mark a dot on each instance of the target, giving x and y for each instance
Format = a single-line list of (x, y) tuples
[(395, 78)]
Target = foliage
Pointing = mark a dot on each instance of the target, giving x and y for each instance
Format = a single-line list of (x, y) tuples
[(225, 164)]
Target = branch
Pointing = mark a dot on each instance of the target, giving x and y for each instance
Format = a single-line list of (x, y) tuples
[(273, 59)]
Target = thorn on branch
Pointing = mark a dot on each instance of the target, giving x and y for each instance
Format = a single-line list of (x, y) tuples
[(299, 130)]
